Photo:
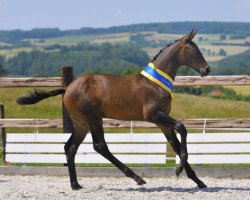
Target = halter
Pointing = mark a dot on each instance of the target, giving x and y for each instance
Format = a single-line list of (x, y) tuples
[(159, 77)]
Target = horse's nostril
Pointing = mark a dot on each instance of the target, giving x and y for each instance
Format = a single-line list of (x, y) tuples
[(208, 70)]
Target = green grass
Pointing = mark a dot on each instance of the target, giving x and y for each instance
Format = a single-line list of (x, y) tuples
[(9, 53), (102, 38), (241, 90), (184, 106), (189, 106), (49, 108)]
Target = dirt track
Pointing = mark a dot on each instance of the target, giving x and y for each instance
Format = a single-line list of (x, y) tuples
[(43, 187)]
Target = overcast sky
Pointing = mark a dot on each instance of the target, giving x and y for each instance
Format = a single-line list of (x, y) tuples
[(74, 14)]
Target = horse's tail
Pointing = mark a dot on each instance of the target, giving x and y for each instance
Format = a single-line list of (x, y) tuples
[(38, 95)]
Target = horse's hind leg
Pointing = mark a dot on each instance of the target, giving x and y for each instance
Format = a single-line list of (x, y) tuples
[(101, 147), (71, 148), (173, 140)]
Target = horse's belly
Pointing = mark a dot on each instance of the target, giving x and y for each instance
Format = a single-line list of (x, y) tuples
[(123, 112)]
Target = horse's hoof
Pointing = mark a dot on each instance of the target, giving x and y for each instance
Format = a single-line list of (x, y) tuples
[(202, 185), (141, 182), (178, 171), (76, 186)]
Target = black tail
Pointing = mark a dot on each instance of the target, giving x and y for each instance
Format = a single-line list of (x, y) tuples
[(38, 95)]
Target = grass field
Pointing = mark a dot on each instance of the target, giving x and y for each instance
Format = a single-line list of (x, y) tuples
[(241, 90), (102, 38), (238, 41), (50, 108), (69, 40), (231, 50), (9, 53), (184, 106)]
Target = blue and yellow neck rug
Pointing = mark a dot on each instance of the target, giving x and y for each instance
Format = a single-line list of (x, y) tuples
[(159, 77)]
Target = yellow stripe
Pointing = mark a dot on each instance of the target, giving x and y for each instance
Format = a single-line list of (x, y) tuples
[(161, 72)]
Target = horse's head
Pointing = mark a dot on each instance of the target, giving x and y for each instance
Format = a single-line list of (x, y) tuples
[(191, 56)]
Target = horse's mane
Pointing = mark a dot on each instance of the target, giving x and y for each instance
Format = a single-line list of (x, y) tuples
[(168, 45)]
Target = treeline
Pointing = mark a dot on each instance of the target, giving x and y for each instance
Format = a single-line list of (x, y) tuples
[(246, 44), (235, 29), (86, 58)]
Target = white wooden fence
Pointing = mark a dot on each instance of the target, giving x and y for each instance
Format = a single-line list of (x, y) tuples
[(218, 148), (134, 148), (143, 148)]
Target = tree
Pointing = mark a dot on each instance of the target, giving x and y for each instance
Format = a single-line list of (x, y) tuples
[(222, 52), (138, 39), (200, 39), (222, 37), (2, 71)]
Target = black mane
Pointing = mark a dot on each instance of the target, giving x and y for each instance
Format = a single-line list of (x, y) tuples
[(168, 45)]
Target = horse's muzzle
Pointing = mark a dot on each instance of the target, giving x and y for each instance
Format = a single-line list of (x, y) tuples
[(204, 71)]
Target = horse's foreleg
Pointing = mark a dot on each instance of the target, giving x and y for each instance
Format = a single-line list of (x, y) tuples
[(173, 140), (101, 147), (70, 150), (164, 120)]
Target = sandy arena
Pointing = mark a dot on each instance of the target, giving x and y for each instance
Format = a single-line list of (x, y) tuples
[(48, 187)]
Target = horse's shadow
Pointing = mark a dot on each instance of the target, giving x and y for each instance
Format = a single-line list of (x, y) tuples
[(187, 190), (3, 181)]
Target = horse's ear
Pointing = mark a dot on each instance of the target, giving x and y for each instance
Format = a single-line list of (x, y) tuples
[(191, 35)]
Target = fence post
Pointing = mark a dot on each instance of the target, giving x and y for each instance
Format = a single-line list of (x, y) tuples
[(67, 78), (2, 131)]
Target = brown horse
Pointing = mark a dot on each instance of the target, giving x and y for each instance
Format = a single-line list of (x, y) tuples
[(90, 98)]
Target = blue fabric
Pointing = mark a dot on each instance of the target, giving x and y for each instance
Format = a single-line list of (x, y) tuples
[(159, 77)]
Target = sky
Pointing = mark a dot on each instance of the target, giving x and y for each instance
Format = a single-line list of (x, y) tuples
[(74, 14)]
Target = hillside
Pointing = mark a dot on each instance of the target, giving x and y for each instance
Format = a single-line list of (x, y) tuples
[(236, 64), (121, 49), (86, 58), (235, 28)]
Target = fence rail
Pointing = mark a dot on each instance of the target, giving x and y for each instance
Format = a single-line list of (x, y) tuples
[(110, 123), (179, 81), (212, 80), (31, 82)]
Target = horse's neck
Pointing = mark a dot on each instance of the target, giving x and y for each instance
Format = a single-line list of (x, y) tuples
[(168, 61)]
